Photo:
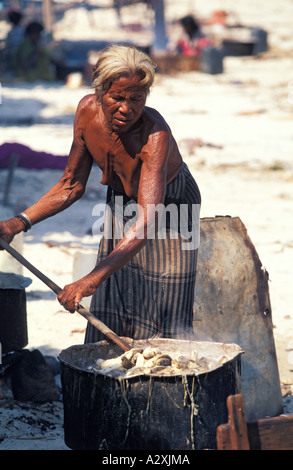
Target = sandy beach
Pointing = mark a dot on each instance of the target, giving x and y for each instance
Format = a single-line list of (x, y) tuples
[(235, 132)]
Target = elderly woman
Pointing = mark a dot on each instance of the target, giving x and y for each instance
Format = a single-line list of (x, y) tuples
[(143, 281)]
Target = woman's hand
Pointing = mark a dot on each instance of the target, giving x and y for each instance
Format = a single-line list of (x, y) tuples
[(71, 295)]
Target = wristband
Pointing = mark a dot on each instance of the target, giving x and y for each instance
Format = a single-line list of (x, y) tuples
[(25, 219)]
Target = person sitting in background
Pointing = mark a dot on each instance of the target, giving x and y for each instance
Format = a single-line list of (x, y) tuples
[(16, 35), (193, 41), (12, 41), (32, 61)]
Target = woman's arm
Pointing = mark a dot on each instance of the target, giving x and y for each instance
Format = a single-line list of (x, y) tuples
[(69, 189), (71, 185)]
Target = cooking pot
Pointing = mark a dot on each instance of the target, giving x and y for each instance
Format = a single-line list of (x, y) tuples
[(13, 315), (146, 411)]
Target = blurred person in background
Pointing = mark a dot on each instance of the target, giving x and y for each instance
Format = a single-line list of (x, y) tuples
[(193, 41), (31, 61), (16, 35), (13, 40)]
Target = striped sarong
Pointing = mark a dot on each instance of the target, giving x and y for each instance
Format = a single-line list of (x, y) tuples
[(153, 294)]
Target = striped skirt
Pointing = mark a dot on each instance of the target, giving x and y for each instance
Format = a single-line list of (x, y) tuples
[(153, 294)]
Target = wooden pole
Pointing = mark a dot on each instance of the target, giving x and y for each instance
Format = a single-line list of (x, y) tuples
[(55, 288), (160, 41), (47, 14)]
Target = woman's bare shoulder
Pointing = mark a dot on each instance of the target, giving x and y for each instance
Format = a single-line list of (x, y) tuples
[(87, 103), (154, 117), (86, 109)]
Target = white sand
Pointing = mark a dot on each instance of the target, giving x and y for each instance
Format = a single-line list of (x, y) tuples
[(245, 113)]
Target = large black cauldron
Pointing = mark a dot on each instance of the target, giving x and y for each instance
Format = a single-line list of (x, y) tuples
[(145, 411)]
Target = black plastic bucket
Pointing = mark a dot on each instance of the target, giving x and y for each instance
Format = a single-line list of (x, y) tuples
[(174, 412), (13, 315)]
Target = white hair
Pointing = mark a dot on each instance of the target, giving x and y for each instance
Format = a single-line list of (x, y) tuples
[(116, 61)]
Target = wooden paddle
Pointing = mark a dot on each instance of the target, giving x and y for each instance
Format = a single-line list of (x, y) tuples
[(81, 310)]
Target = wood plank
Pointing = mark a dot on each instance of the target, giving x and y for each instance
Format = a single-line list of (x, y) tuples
[(223, 437), (233, 435), (265, 434), (172, 64), (238, 432), (271, 433)]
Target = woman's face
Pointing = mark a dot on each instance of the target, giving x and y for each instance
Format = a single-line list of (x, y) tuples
[(123, 103)]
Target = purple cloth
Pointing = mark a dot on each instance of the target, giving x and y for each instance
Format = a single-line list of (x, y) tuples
[(31, 159)]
